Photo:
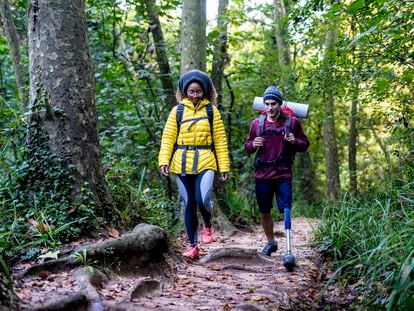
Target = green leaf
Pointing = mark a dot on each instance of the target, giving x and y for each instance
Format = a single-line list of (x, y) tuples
[(408, 76), (356, 5)]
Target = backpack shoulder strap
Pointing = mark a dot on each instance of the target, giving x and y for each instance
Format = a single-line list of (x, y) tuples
[(179, 116), (288, 124), (262, 119), (210, 117)]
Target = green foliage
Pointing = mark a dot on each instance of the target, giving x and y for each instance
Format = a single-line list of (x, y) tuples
[(7, 295), (139, 202), (241, 207), (35, 206), (82, 258), (372, 55), (371, 241)]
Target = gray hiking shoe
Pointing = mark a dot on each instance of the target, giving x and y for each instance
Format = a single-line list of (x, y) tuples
[(269, 248)]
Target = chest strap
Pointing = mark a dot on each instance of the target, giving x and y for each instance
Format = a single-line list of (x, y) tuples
[(196, 154)]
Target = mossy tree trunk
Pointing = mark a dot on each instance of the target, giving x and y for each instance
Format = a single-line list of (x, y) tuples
[(62, 98)]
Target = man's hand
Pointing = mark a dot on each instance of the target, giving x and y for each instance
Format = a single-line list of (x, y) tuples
[(164, 169), (223, 176), (258, 142), (290, 138)]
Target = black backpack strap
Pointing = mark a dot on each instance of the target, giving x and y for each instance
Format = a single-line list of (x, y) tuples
[(288, 124), (262, 119), (179, 116), (210, 117)]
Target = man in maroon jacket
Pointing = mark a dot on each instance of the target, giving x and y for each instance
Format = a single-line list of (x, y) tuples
[(276, 137)]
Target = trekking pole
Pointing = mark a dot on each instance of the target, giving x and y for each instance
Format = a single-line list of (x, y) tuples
[(288, 258)]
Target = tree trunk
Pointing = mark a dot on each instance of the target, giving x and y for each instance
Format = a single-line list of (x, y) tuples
[(162, 57), (329, 133), (62, 95), (13, 43), (220, 51), (304, 170), (281, 33), (353, 118), (353, 134), (193, 35)]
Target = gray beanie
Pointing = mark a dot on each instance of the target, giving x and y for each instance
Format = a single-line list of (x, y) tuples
[(195, 76)]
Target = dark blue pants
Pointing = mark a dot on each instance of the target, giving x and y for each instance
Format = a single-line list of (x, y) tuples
[(266, 189)]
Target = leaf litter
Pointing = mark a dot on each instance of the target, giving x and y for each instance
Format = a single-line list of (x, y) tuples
[(236, 283)]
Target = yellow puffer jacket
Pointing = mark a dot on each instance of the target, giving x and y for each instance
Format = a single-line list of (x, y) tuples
[(194, 133)]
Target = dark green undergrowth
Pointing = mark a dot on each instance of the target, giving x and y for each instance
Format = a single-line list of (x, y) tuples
[(140, 201), (370, 240)]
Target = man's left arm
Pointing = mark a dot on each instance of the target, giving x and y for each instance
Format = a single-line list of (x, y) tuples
[(301, 143)]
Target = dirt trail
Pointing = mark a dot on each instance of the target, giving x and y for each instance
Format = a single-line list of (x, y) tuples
[(243, 280)]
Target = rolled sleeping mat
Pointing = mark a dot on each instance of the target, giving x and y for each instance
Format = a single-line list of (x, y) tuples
[(300, 110)]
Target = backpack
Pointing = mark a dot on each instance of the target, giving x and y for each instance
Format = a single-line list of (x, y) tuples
[(179, 117), (282, 160), (262, 119), (180, 112)]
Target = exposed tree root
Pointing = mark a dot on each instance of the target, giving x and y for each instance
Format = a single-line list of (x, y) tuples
[(138, 252), (130, 252), (51, 266), (78, 301), (143, 287), (237, 254), (231, 274)]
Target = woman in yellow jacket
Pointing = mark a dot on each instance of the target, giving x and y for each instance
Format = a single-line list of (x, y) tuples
[(193, 151)]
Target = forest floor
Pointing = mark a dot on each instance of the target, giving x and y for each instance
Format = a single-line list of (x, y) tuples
[(245, 281)]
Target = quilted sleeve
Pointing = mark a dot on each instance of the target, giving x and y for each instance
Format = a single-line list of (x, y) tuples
[(169, 137), (220, 143)]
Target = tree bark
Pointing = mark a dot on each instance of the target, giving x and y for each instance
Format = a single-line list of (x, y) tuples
[(329, 132), (220, 51), (281, 33), (62, 93), (304, 170), (162, 57), (13, 43), (193, 35), (353, 118), (353, 135)]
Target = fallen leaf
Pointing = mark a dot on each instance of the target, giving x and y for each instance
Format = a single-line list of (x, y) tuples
[(43, 227), (114, 233), (50, 255), (214, 267), (43, 274), (258, 298)]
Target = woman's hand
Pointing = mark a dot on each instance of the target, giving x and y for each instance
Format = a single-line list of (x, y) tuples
[(223, 176), (165, 170)]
